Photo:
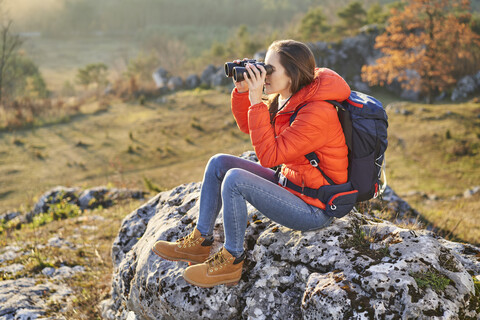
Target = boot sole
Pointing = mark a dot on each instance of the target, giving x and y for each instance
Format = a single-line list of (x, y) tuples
[(228, 283), (190, 262)]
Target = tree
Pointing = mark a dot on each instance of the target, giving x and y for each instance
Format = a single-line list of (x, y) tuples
[(94, 73), (353, 17), (375, 14), (430, 39), (142, 66), (313, 26), (23, 79), (8, 49)]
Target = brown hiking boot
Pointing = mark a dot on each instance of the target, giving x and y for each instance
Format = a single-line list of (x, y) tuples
[(221, 268), (193, 248)]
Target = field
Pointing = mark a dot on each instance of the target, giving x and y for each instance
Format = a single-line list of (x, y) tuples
[(120, 144), (433, 158)]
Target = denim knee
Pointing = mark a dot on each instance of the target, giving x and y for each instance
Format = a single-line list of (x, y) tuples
[(216, 163), (232, 177)]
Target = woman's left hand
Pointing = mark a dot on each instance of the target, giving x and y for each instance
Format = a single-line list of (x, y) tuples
[(255, 82)]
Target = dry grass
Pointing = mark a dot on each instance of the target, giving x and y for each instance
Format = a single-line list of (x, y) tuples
[(119, 144), (92, 234), (435, 150)]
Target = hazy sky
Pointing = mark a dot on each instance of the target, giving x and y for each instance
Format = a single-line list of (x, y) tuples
[(19, 9)]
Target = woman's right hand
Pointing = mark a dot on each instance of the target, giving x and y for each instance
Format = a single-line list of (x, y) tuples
[(241, 86)]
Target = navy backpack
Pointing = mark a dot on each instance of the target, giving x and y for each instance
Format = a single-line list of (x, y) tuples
[(364, 123)]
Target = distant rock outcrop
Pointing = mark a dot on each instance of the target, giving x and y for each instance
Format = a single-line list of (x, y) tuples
[(346, 57), (466, 87), (85, 199), (360, 267)]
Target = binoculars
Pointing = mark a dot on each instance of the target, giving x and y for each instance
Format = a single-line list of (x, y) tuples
[(236, 70)]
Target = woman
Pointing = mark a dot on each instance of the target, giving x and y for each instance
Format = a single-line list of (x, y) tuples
[(231, 181)]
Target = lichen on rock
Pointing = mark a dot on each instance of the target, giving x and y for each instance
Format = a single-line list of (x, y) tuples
[(359, 267)]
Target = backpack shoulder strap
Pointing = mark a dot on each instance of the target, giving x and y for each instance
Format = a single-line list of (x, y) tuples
[(294, 115), (312, 157)]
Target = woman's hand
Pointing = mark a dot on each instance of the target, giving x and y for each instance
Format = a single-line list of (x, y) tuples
[(255, 82), (241, 86)]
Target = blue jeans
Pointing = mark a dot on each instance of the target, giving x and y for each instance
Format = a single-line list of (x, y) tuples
[(232, 181)]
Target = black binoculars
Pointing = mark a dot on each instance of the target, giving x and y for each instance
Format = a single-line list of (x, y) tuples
[(236, 70)]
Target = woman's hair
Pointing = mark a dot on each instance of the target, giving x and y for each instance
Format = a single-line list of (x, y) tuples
[(299, 64)]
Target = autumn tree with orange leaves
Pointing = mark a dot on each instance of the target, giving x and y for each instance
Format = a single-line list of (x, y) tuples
[(433, 39)]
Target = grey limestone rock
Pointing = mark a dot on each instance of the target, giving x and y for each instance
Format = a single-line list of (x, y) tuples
[(175, 83), (192, 81), (161, 76), (208, 74), (27, 298), (50, 197), (466, 86), (359, 267), (86, 199)]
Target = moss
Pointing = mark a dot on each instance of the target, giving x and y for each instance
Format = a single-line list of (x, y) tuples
[(431, 278)]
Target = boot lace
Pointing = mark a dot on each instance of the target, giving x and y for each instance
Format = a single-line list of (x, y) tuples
[(187, 241), (216, 261)]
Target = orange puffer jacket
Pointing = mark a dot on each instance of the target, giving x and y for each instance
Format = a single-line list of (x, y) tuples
[(315, 128)]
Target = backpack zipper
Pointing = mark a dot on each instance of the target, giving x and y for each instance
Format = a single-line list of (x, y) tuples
[(330, 202)]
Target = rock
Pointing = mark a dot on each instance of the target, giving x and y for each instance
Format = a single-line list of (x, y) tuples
[(466, 86), (94, 197), (8, 216), (12, 268), (9, 253), (48, 271), (27, 299), (161, 76), (348, 56), (59, 242), (471, 192), (192, 81), (67, 272), (175, 83), (219, 78), (53, 196), (208, 74), (105, 197), (359, 267)]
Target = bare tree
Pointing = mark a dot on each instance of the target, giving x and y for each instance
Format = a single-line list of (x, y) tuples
[(8, 44)]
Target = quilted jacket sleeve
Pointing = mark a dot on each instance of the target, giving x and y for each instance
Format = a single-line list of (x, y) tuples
[(309, 132), (240, 104)]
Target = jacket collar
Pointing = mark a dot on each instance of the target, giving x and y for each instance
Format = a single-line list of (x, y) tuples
[(326, 85)]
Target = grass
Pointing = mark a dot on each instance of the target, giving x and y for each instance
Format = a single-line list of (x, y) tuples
[(119, 146), (436, 150)]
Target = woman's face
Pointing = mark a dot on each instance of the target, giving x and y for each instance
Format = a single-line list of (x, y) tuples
[(277, 81)]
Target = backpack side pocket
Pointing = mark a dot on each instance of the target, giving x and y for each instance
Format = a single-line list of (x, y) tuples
[(341, 203)]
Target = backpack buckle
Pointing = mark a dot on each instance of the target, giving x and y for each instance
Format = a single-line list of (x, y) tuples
[(314, 163), (282, 180)]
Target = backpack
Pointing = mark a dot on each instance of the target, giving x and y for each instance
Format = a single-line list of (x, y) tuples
[(364, 123)]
